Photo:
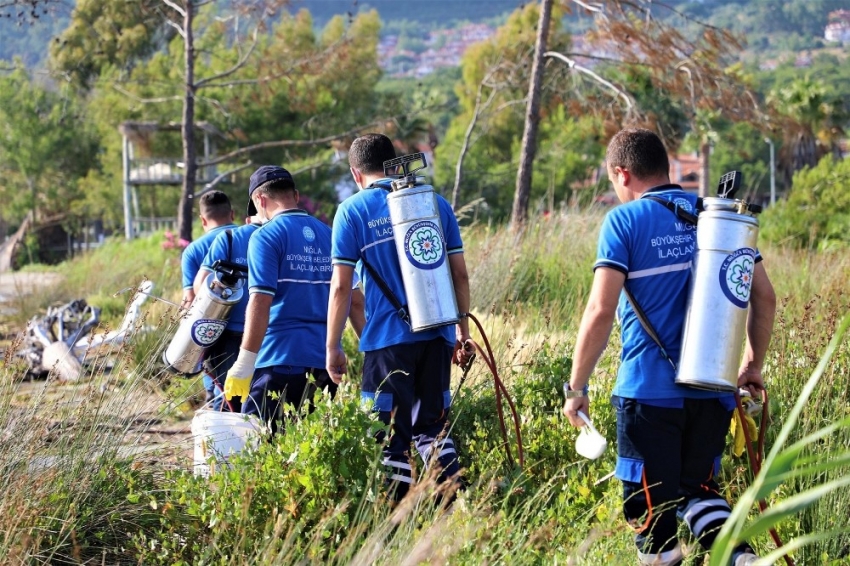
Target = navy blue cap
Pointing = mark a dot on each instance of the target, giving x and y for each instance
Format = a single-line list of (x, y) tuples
[(262, 176)]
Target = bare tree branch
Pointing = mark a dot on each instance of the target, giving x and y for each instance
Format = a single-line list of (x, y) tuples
[(179, 29), (572, 65), (598, 8), (508, 104), (311, 167), (221, 177), (466, 137), (140, 100), (288, 143), (238, 65), (175, 7)]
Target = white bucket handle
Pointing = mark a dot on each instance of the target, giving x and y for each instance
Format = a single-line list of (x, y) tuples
[(587, 421)]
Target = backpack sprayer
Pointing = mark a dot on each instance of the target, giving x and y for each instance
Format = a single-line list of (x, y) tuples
[(206, 318), (426, 276), (716, 315), (420, 245)]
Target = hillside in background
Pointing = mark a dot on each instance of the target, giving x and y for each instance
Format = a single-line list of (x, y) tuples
[(771, 27), (28, 39)]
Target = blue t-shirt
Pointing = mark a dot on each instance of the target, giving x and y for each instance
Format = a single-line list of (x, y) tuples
[(363, 230), (237, 252), (194, 254), (655, 250), (289, 258)]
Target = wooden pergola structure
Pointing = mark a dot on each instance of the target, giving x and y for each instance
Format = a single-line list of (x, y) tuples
[(141, 171)]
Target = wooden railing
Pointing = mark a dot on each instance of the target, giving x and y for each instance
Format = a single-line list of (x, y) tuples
[(164, 171), (151, 224)]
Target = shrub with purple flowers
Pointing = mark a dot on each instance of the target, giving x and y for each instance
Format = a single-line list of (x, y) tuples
[(173, 242)]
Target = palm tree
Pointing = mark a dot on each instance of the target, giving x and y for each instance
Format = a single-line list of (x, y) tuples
[(811, 119)]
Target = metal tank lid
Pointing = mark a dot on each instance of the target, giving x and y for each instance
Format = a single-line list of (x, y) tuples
[(736, 206)]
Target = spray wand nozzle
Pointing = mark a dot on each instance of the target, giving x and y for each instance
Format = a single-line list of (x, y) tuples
[(407, 176), (729, 184)]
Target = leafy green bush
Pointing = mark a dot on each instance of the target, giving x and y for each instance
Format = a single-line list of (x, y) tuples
[(324, 470), (547, 437), (817, 212)]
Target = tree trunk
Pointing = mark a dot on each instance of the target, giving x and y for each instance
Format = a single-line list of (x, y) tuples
[(190, 164), (704, 169), (519, 214)]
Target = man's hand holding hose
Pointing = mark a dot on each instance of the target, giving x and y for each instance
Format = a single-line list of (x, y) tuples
[(238, 381), (464, 352)]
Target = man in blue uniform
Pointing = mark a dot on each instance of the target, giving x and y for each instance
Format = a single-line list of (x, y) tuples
[(289, 273), (406, 376), (670, 437), (216, 216), (230, 245)]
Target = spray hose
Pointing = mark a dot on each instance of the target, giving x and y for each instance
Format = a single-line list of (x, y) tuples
[(501, 391), (224, 399), (756, 456)]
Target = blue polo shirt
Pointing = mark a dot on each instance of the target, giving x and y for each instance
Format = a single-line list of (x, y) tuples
[(655, 250), (289, 259), (363, 230), (235, 251), (193, 255)]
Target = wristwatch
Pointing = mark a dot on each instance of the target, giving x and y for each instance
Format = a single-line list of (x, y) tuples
[(570, 394)]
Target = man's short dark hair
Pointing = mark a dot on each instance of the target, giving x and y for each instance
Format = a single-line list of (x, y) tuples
[(640, 151), (368, 153), (215, 205), (275, 189)]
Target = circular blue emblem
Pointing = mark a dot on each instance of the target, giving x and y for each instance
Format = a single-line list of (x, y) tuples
[(424, 245), (683, 204), (308, 234), (206, 331), (736, 276)]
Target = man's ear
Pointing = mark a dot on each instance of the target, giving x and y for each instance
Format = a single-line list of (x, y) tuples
[(625, 175), (358, 176), (203, 220), (297, 196)]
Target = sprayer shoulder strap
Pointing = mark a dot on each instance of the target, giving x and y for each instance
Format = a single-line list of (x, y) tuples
[(681, 213), (401, 310), (647, 326), (229, 233)]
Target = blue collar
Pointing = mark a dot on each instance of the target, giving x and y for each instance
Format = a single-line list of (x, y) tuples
[(662, 188), (385, 184), (294, 211)]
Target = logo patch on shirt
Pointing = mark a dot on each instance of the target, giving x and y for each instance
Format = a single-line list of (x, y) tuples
[(736, 276), (683, 204), (424, 245), (308, 233), (206, 331)]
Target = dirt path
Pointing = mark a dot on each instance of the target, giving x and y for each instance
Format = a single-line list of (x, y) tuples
[(13, 284)]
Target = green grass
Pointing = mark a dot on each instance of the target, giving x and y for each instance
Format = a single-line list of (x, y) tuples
[(311, 496)]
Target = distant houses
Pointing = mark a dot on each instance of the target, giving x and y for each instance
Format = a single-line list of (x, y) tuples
[(444, 48), (838, 28)]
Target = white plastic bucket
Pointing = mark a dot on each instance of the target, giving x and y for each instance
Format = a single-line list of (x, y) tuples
[(219, 435)]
